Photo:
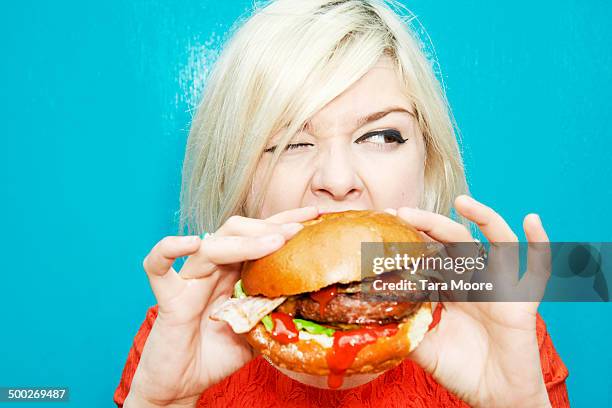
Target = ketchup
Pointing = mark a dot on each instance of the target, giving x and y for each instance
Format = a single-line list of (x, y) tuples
[(346, 346), (284, 330), (437, 314), (323, 297)]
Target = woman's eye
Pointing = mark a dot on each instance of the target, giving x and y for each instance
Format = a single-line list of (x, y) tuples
[(382, 137), (290, 146)]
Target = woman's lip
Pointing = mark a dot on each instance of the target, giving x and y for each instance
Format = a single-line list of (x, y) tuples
[(325, 210)]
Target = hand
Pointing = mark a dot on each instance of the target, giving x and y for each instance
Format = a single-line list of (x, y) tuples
[(486, 353), (186, 352)]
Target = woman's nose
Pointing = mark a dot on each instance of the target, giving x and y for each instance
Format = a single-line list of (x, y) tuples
[(336, 177)]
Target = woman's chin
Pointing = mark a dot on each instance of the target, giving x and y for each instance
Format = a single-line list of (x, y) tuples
[(318, 381)]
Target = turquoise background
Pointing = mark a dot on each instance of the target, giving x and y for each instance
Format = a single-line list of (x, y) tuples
[(95, 107)]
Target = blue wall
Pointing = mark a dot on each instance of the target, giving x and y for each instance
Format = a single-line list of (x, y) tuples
[(95, 106)]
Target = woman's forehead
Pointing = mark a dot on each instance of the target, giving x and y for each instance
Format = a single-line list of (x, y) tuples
[(378, 93)]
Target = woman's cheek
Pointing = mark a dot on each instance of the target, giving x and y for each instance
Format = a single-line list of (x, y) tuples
[(393, 182), (286, 190)]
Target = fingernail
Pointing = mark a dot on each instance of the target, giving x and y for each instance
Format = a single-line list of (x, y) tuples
[(292, 227), (272, 239), (191, 238), (390, 211)]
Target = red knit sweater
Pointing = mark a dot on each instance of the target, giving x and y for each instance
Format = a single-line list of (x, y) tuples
[(258, 384)]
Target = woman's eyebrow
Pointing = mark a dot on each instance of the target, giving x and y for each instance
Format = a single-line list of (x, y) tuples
[(380, 114), (309, 126)]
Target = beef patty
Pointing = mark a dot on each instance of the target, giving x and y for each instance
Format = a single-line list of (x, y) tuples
[(354, 308)]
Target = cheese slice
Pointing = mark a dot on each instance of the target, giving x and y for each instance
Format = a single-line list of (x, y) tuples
[(243, 314)]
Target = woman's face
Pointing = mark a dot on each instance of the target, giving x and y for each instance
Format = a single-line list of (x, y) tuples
[(363, 150)]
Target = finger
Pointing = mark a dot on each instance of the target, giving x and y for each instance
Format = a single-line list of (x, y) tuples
[(159, 261), (228, 250), (428, 351), (538, 258), (534, 230), (163, 279), (295, 215), (492, 225), (503, 262), (437, 226), (244, 226), (423, 235)]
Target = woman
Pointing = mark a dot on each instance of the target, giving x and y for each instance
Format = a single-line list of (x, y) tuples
[(320, 106)]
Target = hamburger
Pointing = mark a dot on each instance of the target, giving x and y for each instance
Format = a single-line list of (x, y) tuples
[(307, 308)]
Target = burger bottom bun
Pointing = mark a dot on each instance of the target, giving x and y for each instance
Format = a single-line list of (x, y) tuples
[(319, 381), (309, 357)]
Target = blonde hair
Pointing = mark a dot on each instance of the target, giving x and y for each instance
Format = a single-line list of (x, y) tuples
[(282, 65)]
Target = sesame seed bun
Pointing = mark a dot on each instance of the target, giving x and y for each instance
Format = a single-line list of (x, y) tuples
[(326, 251)]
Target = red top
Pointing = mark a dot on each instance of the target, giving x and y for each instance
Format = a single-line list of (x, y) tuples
[(258, 384)]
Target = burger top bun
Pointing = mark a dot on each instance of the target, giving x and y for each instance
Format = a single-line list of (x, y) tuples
[(326, 251)]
